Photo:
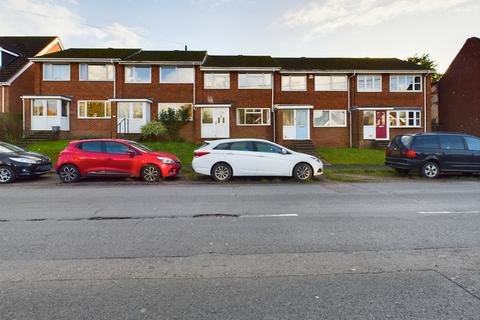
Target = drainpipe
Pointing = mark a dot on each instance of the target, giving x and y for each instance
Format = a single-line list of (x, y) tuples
[(3, 99), (425, 102), (273, 101), (114, 79), (349, 108), (23, 117)]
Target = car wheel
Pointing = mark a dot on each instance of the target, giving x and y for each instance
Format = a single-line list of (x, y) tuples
[(430, 170), (151, 173), (6, 175), (221, 172), (302, 172), (68, 173)]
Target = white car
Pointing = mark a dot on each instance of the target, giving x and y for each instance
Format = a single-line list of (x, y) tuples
[(222, 159)]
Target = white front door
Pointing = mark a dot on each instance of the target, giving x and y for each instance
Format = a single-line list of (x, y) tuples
[(215, 123), (296, 124), (131, 116)]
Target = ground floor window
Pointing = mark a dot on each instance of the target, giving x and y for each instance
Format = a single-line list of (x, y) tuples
[(253, 117), (329, 118), (46, 107), (404, 118), (94, 109), (176, 106)]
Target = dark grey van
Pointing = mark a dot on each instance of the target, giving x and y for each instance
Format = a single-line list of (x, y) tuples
[(434, 153)]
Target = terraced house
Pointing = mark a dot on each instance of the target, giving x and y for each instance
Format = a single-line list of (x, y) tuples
[(323, 101)]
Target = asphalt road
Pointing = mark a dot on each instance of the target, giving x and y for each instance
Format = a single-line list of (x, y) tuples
[(408, 249)]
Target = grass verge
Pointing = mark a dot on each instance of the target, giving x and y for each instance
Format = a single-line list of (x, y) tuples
[(352, 156)]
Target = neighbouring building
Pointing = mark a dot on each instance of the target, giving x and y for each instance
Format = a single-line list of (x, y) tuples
[(459, 91), (16, 70), (328, 101)]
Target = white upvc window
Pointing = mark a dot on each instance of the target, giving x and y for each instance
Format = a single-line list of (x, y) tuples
[(253, 116), (369, 83), (164, 106), (177, 74), (330, 83), (405, 83), (214, 80), (294, 82), (404, 119), (138, 74), (329, 118), (94, 109), (96, 72), (56, 72), (254, 80)]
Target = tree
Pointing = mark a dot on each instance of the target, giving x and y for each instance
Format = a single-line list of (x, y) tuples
[(428, 63)]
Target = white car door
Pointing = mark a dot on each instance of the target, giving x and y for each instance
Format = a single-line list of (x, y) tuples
[(271, 161), (241, 157)]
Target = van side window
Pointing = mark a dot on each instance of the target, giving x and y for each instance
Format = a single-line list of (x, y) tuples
[(425, 142), (473, 143), (451, 142)]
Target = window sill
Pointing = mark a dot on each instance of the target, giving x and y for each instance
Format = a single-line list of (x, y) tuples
[(216, 88), (330, 126), (253, 125), (95, 118), (45, 80), (405, 127)]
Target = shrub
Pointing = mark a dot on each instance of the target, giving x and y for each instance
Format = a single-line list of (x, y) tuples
[(11, 127), (173, 121), (152, 130)]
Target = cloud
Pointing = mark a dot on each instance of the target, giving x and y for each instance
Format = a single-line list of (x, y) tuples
[(49, 17), (327, 16)]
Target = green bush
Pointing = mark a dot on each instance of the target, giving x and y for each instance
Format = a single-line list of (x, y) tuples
[(152, 130), (11, 127), (173, 121)]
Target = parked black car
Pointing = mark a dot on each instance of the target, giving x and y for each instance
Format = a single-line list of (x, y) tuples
[(16, 162), (433, 153)]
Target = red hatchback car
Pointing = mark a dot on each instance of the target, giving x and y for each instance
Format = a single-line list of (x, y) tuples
[(117, 158)]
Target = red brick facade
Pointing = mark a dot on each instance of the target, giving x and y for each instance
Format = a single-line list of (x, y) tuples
[(459, 93), (236, 98)]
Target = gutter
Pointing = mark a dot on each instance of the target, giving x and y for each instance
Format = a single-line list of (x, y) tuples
[(273, 111), (114, 79), (425, 101)]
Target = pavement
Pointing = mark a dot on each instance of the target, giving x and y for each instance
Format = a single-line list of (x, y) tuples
[(406, 249)]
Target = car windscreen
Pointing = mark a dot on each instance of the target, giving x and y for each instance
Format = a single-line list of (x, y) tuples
[(140, 147), (9, 148)]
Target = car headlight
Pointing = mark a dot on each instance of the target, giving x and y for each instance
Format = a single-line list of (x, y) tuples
[(316, 159), (166, 160), (24, 160)]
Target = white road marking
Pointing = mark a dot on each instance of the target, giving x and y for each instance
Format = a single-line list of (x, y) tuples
[(447, 212), (270, 215)]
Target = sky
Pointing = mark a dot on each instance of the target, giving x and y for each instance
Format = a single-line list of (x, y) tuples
[(303, 28)]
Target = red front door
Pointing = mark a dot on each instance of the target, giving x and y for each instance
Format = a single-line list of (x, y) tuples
[(381, 125)]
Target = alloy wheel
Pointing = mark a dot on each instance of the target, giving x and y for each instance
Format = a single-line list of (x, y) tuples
[(222, 172), (151, 174), (303, 172), (430, 170), (5, 175), (68, 174)]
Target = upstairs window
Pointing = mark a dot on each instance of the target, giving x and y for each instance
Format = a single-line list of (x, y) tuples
[(330, 83), (406, 83), (138, 74), (176, 75), (96, 72), (294, 83), (254, 80), (56, 72), (369, 83), (216, 80)]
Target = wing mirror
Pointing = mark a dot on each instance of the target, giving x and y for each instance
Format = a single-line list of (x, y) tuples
[(131, 153), (284, 151)]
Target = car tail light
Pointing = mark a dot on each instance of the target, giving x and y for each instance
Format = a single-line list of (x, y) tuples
[(409, 153), (197, 154)]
